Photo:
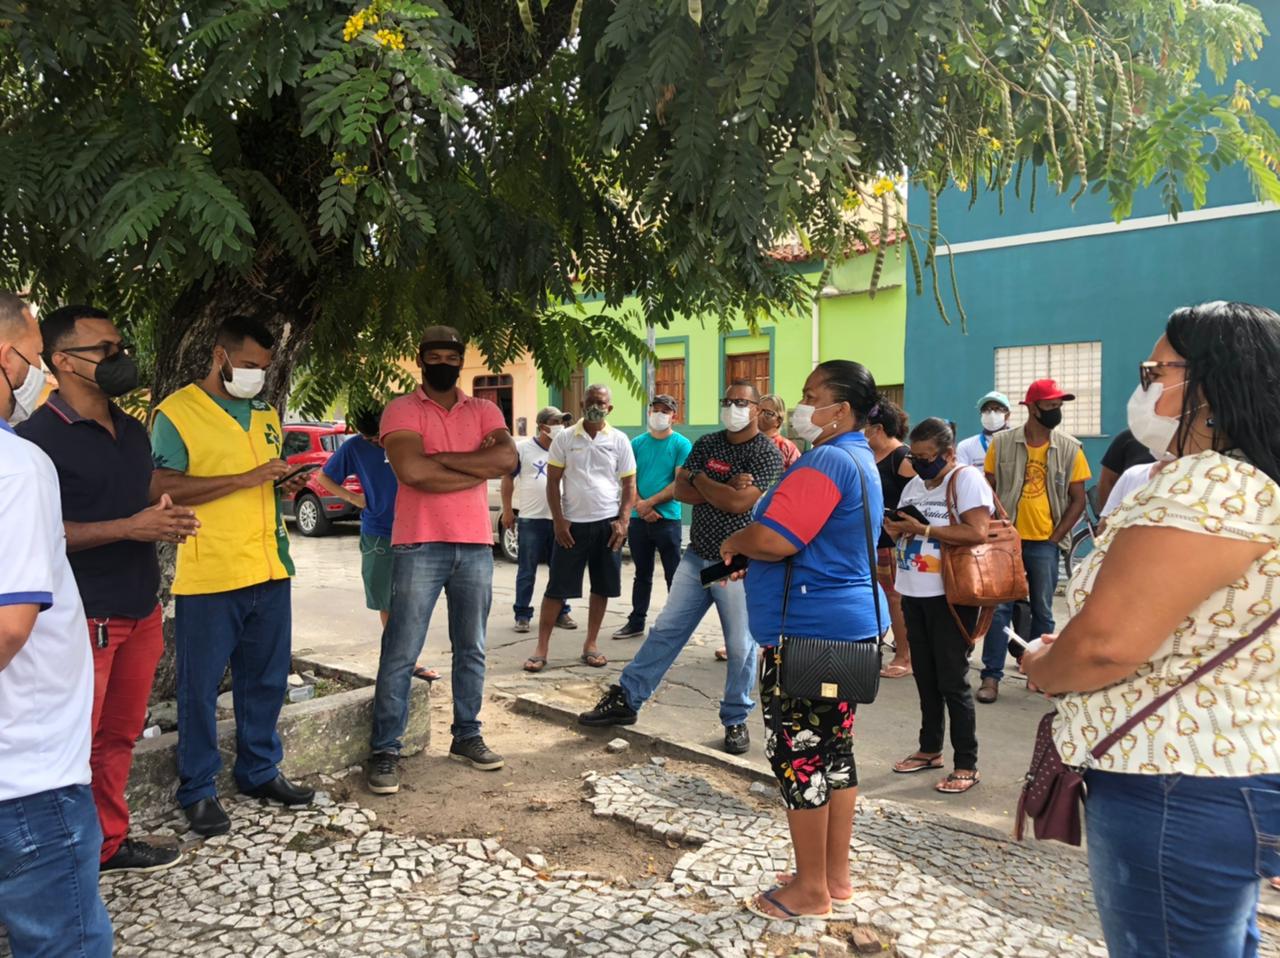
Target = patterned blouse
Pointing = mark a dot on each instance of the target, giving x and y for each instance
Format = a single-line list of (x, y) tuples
[(1228, 723)]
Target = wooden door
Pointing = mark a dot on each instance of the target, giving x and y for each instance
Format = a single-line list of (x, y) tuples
[(669, 378), (751, 367)]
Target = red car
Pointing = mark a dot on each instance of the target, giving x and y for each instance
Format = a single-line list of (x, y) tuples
[(313, 509)]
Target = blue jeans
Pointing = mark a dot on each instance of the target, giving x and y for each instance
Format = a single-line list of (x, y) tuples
[(1176, 859), (49, 901), (646, 538), (537, 543), (686, 604), (419, 573), (252, 629), (1041, 560)]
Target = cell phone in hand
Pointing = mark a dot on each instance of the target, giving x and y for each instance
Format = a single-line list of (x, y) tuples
[(1018, 646), (902, 512), (720, 571), (287, 477)]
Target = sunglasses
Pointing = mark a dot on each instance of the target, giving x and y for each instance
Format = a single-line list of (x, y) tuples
[(1147, 371), (740, 403), (107, 349)]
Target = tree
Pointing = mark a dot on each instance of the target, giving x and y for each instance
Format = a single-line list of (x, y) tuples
[(354, 172)]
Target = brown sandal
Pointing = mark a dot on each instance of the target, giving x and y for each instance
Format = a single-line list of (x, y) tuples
[(535, 663), (917, 763), (959, 782)]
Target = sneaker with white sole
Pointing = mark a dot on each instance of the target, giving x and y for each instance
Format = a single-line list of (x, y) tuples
[(522, 625), (478, 755), (134, 856), (382, 773), (629, 631), (565, 622)]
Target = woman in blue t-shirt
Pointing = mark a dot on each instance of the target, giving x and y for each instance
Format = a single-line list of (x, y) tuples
[(816, 519)]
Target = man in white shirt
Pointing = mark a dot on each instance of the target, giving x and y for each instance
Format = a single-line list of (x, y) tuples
[(591, 487), (536, 534), (50, 838), (994, 408)]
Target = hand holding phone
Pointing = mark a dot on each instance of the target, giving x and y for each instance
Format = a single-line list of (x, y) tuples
[(722, 570), (904, 512), (290, 476), (1020, 646)]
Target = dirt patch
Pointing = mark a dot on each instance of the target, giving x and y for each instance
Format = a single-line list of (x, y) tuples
[(317, 838), (858, 939), (536, 803)]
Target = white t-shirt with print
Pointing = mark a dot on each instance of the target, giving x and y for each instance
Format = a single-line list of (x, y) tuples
[(919, 560), (590, 491), (531, 481)]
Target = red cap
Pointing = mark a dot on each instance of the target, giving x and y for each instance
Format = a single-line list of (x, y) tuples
[(1045, 390)]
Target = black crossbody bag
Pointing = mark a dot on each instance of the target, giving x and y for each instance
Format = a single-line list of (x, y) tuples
[(831, 669)]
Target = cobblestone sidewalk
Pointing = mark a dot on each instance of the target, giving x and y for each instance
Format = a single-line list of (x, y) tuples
[(328, 881)]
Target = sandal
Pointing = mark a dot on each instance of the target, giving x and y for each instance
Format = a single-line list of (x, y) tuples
[(917, 763), (596, 660), (769, 897), (424, 673), (895, 671), (786, 878), (957, 783), (722, 654), (535, 663)]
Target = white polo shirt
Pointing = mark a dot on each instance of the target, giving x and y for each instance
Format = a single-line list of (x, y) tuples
[(46, 691), (531, 481), (592, 468)]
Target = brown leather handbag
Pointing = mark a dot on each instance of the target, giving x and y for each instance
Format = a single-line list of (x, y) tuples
[(984, 575), (1053, 790)]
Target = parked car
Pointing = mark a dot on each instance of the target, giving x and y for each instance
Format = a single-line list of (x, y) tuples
[(313, 509), (504, 540)]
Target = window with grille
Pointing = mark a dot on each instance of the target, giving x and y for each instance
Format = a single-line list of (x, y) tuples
[(1077, 368)]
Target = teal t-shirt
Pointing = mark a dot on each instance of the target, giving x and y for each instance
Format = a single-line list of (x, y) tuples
[(168, 451), (656, 463)]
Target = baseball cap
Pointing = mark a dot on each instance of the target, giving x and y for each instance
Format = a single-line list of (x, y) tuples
[(442, 337), (1045, 390), (551, 414), (995, 396), (666, 400)]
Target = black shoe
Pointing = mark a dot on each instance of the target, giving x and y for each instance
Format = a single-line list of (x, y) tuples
[(382, 773), (612, 709), (479, 755), (629, 631), (737, 741), (281, 790), (207, 818), (134, 856)]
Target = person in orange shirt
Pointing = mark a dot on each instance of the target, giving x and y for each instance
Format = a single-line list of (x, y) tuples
[(1038, 472)]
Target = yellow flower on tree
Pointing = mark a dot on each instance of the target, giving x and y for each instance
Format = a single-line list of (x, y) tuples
[(390, 39), (882, 186)]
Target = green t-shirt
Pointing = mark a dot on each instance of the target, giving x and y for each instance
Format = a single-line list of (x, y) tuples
[(656, 463)]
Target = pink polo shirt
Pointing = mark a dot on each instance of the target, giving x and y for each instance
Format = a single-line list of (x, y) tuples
[(442, 516)]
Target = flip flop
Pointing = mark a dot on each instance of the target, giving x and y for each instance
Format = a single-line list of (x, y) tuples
[(722, 655), (537, 662), (958, 784), (596, 660), (785, 878), (427, 675), (895, 671), (922, 764), (754, 907)]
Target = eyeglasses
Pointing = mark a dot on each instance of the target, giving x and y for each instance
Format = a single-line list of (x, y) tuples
[(770, 413), (1147, 371), (107, 349), (740, 403)]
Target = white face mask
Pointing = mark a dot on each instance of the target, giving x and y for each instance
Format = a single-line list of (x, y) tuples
[(802, 422), (734, 418), (245, 383), (659, 421), (1149, 427), (555, 429), (27, 395), (995, 420)]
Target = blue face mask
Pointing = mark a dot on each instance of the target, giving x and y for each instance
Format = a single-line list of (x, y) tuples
[(929, 470)]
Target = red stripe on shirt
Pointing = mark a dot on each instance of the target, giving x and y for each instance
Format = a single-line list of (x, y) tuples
[(803, 502)]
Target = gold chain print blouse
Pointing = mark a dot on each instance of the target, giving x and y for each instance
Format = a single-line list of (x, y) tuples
[(1227, 723)]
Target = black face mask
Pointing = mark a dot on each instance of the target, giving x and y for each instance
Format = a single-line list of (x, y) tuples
[(929, 470), (115, 375), (440, 376), (1049, 418)]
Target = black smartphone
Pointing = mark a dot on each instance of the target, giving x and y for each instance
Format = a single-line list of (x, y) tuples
[(715, 573), (897, 514), (310, 467)]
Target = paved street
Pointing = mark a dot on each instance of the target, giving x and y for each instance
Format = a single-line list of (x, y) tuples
[(331, 624)]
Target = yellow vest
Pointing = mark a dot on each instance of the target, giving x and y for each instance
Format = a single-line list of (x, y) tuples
[(242, 540)]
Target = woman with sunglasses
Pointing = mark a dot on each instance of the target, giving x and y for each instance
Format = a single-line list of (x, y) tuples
[(1183, 813), (773, 412), (939, 649)]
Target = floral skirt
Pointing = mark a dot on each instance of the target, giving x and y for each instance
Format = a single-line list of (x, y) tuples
[(809, 745)]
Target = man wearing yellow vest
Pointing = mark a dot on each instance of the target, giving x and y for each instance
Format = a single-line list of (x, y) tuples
[(217, 449)]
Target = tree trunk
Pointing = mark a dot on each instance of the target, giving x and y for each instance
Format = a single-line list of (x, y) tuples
[(279, 295)]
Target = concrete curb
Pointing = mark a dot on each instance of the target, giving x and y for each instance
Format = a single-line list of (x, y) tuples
[(531, 703)]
